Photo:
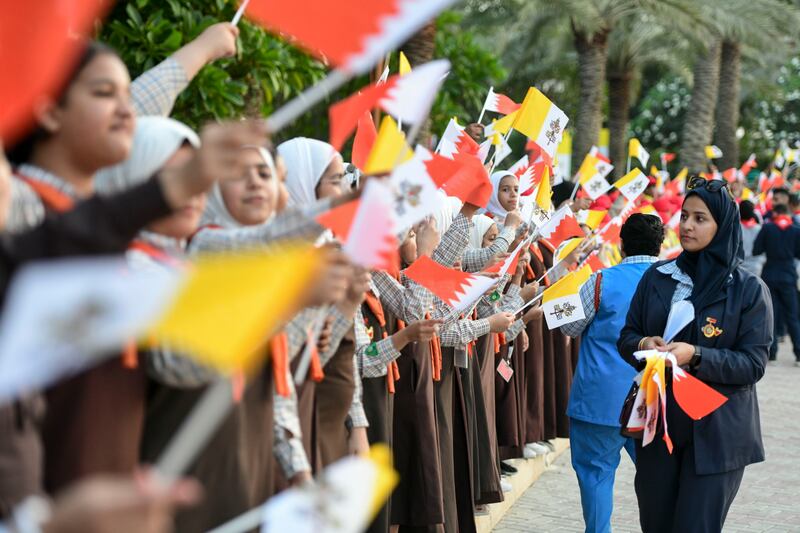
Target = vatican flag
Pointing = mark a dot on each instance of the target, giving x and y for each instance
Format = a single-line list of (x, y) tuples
[(561, 302)]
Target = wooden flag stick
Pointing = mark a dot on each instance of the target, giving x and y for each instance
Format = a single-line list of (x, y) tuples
[(530, 303), (628, 167), (196, 430), (239, 13), (290, 111)]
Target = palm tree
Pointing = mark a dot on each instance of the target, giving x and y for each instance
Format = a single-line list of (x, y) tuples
[(630, 50), (420, 49), (765, 35), (591, 22), (699, 124)]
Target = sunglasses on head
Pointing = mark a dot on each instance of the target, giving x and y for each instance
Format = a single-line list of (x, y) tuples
[(710, 185)]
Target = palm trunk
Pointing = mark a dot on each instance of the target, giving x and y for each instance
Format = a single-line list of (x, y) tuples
[(619, 104), (419, 49), (699, 124), (592, 52), (727, 115)]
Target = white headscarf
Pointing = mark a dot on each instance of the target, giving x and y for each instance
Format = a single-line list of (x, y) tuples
[(155, 140), (447, 212), (480, 225), (494, 206), (216, 212), (306, 161)]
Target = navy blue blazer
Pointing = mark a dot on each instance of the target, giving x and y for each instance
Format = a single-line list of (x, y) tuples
[(782, 247), (734, 359)]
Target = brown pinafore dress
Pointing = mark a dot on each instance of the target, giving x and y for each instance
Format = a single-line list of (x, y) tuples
[(417, 501), (93, 421)]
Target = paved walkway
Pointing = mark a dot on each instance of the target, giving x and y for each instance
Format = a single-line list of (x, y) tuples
[(767, 500)]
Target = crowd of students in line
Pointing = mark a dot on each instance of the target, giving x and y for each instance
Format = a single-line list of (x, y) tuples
[(106, 171)]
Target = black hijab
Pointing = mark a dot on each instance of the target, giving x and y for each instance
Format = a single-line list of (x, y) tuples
[(711, 267)]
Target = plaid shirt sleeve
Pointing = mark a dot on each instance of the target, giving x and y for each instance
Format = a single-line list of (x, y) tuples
[(462, 332), (477, 260), (155, 91), (453, 242), (356, 417), (288, 446), (373, 357), (409, 302), (574, 329), (514, 330), (290, 224), (296, 333)]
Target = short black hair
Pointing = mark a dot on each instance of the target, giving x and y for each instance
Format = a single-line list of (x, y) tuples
[(780, 190), (747, 211), (780, 209), (642, 235)]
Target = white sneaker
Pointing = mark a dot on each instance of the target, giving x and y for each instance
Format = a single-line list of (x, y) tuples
[(528, 453), (537, 448), (506, 485)]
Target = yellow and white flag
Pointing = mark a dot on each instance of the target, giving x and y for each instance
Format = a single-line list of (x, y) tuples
[(592, 176), (713, 152), (502, 125), (404, 66), (543, 203), (591, 218), (635, 149), (387, 149), (632, 184), (230, 304), (542, 121), (561, 301)]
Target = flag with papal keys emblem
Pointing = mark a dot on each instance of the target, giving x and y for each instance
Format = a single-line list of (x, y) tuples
[(632, 184), (592, 176), (635, 149), (713, 152), (350, 34), (409, 96), (62, 317), (414, 189), (561, 302), (455, 140), (561, 226), (456, 288), (499, 103), (542, 121), (388, 150)]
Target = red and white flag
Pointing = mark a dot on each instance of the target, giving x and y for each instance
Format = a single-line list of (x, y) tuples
[(748, 165), (674, 221), (454, 287), (609, 233), (367, 227), (561, 226), (456, 140), (499, 103), (409, 96), (351, 34), (364, 139), (463, 176)]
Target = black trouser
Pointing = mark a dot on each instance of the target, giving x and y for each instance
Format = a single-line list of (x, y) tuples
[(785, 311), (672, 497)]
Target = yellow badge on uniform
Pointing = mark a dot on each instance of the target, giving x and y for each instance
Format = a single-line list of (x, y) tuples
[(710, 330)]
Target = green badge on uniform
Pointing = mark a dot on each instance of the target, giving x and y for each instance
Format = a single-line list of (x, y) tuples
[(495, 296), (372, 349)]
